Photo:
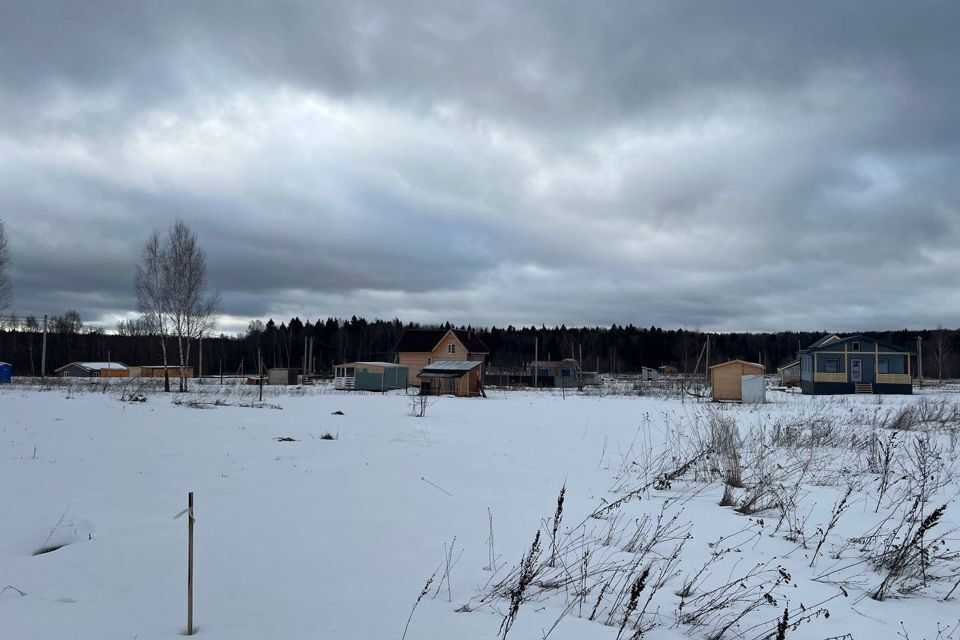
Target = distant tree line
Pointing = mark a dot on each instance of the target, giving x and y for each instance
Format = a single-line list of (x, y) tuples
[(616, 349)]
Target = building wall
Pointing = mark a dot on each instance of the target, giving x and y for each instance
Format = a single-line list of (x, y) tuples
[(282, 376), (898, 363), (368, 378), (413, 361), (157, 372), (726, 380)]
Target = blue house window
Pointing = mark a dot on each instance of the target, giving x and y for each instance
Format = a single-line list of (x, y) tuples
[(832, 365), (565, 373), (855, 346), (883, 366)]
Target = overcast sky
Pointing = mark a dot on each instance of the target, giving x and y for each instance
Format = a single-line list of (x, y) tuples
[(723, 165)]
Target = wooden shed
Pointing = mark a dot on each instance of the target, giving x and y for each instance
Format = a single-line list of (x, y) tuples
[(283, 376), (156, 371), (452, 377), (726, 379)]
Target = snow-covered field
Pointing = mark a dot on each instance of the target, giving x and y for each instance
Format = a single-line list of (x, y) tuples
[(319, 538)]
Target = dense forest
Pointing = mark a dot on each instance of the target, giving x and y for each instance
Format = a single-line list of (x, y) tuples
[(618, 349)]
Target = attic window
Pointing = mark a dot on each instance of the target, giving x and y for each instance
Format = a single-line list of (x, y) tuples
[(855, 346), (451, 348)]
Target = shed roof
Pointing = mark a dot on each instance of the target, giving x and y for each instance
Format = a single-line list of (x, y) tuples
[(96, 366), (566, 362), (451, 366), (426, 340), (729, 362), (160, 366), (795, 363), (825, 340), (373, 363)]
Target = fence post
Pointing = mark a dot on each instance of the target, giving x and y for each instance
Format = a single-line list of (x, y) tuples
[(190, 564)]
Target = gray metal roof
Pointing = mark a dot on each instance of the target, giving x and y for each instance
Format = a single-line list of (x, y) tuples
[(452, 365), (825, 340), (96, 366)]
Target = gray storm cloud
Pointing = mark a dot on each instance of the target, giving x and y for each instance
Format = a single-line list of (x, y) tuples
[(728, 166)]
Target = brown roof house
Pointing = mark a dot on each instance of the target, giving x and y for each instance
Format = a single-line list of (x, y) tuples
[(418, 348)]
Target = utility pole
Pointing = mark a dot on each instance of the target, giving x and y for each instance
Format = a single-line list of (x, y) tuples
[(920, 360), (706, 368), (580, 368), (536, 357), (43, 357), (260, 373), (200, 366)]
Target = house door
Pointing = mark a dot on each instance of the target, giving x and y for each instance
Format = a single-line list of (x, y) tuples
[(856, 370)]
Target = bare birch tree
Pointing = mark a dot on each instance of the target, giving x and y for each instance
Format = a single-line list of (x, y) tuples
[(940, 352), (192, 310), (153, 296), (6, 289)]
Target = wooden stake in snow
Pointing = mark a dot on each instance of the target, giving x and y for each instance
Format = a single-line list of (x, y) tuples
[(189, 512), (190, 564)]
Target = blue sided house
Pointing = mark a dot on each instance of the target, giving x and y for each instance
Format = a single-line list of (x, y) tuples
[(6, 372), (857, 364)]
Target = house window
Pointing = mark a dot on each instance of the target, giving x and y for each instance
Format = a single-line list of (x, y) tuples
[(832, 365), (566, 373), (451, 348), (429, 360), (855, 346), (883, 365), (350, 372)]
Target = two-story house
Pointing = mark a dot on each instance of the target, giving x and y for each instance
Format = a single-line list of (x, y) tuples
[(418, 348)]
